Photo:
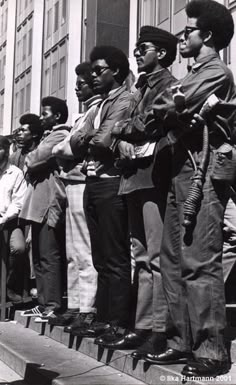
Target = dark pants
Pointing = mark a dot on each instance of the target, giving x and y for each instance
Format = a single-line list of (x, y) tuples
[(47, 260), (191, 264), (146, 216), (106, 215), (18, 266)]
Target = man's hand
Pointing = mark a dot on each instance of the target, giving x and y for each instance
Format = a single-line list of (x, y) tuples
[(126, 150), (197, 122), (119, 127)]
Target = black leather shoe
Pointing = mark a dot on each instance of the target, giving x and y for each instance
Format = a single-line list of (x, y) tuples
[(154, 344), (112, 334), (170, 356), (205, 367), (131, 340), (81, 321), (91, 331), (13, 297), (64, 319)]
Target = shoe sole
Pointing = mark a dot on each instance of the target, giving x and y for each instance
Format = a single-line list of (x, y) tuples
[(173, 362), (30, 315)]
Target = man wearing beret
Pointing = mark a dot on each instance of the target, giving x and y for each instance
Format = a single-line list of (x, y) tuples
[(155, 51), (191, 251)]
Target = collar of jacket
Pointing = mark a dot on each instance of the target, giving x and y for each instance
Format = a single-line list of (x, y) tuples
[(93, 101), (61, 127), (205, 59), (154, 77), (117, 92)]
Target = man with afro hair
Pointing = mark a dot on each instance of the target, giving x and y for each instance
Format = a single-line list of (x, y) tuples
[(155, 51), (44, 207), (105, 211), (28, 136), (191, 252)]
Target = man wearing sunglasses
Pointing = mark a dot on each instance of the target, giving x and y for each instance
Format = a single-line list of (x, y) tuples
[(105, 210), (191, 257), (155, 51)]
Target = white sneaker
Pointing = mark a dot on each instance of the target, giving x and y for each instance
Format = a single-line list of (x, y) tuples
[(36, 311), (46, 315)]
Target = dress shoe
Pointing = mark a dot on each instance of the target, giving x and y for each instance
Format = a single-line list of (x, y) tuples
[(130, 340), (112, 334), (154, 344), (14, 297), (64, 319), (205, 367), (82, 320), (170, 356), (91, 331)]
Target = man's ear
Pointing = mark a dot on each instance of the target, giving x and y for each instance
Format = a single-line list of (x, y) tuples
[(116, 72), (57, 116), (161, 53), (206, 36)]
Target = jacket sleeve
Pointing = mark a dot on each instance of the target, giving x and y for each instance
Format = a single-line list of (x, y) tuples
[(79, 141), (42, 158), (103, 139), (17, 197)]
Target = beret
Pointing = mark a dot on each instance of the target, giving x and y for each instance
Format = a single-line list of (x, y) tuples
[(157, 36)]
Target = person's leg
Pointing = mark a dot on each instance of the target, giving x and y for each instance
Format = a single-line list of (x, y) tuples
[(50, 262), (203, 274), (36, 229), (91, 193), (82, 276), (17, 261), (114, 233), (108, 226), (229, 233)]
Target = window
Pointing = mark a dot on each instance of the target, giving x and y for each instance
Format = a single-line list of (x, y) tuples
[(49, 22), (2, 21), (17, 107), (54, 77), (1, 114), (0, 69), (26, 3), (6, 16), (27, 97), (178, 5), (24, 48), (56, 16), (163, 10), (22, 101), (47, 82), (64, 11), (3, 67), (62, 72), (30, 42)]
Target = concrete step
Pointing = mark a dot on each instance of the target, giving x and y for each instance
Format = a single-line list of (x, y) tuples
[(121, 360), (43, 361), (8, 376)]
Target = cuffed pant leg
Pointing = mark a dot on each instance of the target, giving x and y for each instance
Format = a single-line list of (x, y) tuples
[(82, 276)]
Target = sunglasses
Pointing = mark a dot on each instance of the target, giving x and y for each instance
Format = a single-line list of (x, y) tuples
[(99, 70), (188, 30), (142, 49)]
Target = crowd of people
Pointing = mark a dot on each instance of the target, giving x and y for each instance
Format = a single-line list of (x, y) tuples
[(127, 206)]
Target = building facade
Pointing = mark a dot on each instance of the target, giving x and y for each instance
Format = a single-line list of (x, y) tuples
[(42, 41)]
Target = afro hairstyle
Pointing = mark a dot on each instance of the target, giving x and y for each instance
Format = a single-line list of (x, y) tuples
[(215, 17)]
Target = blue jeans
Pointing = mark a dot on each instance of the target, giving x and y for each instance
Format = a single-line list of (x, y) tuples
[(191, 264)]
